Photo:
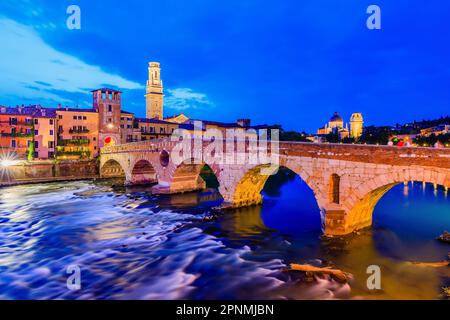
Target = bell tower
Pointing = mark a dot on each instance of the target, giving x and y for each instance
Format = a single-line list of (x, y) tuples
[(154, 96)]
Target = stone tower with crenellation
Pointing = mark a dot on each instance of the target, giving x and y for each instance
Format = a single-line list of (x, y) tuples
[(356, 125), (154, 96)]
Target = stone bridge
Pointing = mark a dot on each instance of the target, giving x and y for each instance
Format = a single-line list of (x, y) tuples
[(347, 180)]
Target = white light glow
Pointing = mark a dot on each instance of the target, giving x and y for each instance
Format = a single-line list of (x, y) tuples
[(7, 163)]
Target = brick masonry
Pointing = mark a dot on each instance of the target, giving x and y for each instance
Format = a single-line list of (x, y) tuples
[(365, 174)]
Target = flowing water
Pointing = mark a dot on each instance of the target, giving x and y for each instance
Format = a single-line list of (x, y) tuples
[(130, 244)]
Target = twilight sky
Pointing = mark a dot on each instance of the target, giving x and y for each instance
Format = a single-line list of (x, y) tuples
[(292, 62)]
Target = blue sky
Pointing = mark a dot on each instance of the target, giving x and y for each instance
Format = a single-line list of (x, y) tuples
[(288, 62)]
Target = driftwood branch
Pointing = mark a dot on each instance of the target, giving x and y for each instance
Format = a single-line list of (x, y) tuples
[(335, 273), (431, 264)]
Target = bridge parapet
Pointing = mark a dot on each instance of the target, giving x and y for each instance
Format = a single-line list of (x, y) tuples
[(389, 155)]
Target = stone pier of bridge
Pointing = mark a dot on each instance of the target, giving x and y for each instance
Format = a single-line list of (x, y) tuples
[(347, 180)]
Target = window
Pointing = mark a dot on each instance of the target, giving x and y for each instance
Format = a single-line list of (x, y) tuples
[(60, 116), (84, 117), (36, 144), (80, 118), (95, 139), (51, 132), (109, 120), (28, 131), (13, 130), (36, 121), (51, 144), (74, 117), (36, 132), (13, 143), (51, 154), (51, 121), (109, 108)]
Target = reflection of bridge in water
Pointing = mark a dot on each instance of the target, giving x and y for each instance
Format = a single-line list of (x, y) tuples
[(347, 180)]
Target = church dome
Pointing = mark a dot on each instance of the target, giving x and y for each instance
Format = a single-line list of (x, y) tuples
[(336, 118)]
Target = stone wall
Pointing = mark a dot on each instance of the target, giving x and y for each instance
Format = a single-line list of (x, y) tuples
[(43, 171)]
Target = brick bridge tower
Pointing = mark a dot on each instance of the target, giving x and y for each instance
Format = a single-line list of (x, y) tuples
[(107, 102)]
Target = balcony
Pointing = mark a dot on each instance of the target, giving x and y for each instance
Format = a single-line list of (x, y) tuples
[(17, 123), (17, 135), (72, 142), (81, 154), (79, 130)]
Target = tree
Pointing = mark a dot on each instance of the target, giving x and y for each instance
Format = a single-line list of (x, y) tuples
[(31, 148)]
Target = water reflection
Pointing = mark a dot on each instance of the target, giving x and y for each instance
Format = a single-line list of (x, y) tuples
[(132, 244)]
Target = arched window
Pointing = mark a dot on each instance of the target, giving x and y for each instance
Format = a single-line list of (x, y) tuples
[(333, 194)]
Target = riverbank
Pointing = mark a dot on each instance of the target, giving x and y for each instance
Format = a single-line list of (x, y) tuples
[(29, 172)]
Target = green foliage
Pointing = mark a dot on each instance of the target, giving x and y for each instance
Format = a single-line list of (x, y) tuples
[(376, 135), (349, 140), (332, 137), (291, 135), (83, 154), (73, 142), (31, 149), (432, 139)]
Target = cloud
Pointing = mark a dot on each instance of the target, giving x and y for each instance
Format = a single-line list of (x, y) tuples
[(185, 98), (32, 70)]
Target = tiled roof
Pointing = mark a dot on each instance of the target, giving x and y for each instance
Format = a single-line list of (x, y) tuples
[(154, 120), (107, 90), (77, 109), (189, 126), (228, 124), (32, 111)]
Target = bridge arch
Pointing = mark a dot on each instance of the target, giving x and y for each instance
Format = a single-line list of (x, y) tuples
[(187, 175), (112, 169), (246, 189), (361, 206), (143, 172)]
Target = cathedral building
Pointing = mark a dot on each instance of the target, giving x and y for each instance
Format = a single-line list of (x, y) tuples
[(336, 125)]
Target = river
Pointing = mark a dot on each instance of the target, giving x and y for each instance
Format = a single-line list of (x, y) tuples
[(130, 244)]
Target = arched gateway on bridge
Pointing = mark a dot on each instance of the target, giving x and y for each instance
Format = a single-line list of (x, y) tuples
[(347, 180)]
